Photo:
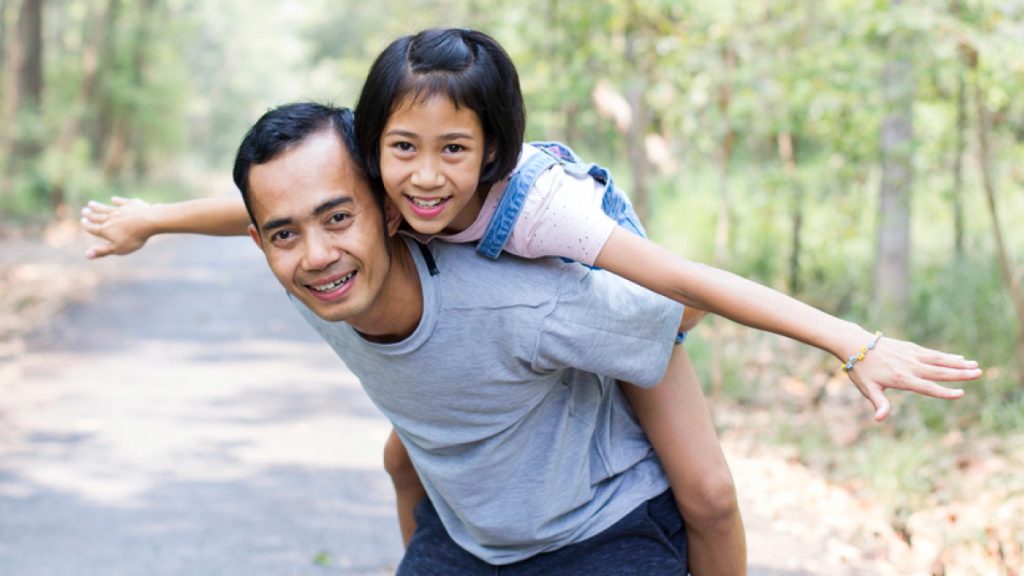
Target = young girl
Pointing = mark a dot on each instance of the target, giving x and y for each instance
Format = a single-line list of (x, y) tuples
[(440, 123)]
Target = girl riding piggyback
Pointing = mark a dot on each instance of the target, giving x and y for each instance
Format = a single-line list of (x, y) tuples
[(440, 124)]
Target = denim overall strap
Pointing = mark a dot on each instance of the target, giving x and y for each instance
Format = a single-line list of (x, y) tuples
[(506, 213)]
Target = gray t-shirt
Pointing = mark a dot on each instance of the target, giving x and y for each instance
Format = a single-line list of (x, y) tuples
[(521, 446)]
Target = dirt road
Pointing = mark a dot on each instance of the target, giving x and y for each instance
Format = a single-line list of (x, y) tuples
[(184, 420)]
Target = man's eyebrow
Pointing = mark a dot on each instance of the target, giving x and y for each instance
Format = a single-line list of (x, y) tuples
[(332, 204), (276, 223)]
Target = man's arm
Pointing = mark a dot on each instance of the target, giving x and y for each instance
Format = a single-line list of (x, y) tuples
[(127, 224)]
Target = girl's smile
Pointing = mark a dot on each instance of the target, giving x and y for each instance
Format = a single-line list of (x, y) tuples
[(431, 154)]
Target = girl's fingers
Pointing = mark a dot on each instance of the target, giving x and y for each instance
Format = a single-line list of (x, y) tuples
[(96, 217), (119, 201), (880, 404), (944, 374), (929, 388), (950, 361), (94, 206), (100, 251)]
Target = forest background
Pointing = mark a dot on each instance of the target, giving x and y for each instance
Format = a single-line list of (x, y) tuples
[(865, 156)]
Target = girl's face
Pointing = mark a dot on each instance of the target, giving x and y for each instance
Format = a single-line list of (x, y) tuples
[(431, 154)]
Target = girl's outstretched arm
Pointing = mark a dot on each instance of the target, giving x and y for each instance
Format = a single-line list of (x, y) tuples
[(892, 364), (126, 224)]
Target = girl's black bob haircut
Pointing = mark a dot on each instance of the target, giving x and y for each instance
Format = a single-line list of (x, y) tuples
[(466, 66)]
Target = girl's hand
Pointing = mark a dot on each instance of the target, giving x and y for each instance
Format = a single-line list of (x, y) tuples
[(907, 366), (691, 317), (124, 227)]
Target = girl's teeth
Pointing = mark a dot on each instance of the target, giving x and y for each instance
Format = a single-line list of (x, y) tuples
[(427, 203)]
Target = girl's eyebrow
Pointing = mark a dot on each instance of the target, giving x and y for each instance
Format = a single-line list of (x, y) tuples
[(400, 132), (448, 136), (456, 136)]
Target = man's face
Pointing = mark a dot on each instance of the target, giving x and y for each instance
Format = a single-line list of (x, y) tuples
[(320, 229)]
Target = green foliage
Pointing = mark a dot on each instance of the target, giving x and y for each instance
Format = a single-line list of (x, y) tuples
[(179, 82)]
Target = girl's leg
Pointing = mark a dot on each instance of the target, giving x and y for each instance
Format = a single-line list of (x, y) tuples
[(677, 422), (408, 490)]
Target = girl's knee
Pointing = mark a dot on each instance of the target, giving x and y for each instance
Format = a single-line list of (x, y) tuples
[(397, 463)]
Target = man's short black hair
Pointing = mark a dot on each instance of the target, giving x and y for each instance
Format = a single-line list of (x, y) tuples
[(282, 128)]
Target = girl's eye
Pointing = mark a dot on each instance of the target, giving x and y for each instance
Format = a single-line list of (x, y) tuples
[(454, 148), (403, 146)]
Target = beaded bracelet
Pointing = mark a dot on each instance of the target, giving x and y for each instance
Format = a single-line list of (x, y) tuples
[(854, 358)]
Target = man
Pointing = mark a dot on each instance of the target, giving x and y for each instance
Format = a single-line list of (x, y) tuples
[(488, 371)]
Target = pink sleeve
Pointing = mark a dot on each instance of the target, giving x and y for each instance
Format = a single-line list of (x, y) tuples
[(562, 216)]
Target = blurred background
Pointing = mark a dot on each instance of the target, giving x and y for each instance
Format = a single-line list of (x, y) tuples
[(865, 156)]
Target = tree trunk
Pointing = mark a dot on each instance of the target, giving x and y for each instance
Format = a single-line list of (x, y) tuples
[(723, 228), (958, 165), (103, 128), (8, 105), (127, 135), (30, 75), (637, 152), (723, 158), (1010, 280), (787, 155), (639, 165), (3, 39), (892, 258), (23, 87)]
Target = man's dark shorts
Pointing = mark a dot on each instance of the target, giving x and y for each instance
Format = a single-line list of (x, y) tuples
[(649, 541)]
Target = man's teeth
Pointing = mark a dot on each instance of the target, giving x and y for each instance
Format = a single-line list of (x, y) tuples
[(423, 203), (335, 284)]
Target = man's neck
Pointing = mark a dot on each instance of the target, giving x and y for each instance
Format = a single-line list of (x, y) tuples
[(397, 311)]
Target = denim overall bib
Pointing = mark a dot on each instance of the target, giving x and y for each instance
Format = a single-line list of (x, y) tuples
[(614, 202)]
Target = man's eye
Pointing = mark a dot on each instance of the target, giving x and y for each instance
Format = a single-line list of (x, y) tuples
[(281, 236), (339, 217)]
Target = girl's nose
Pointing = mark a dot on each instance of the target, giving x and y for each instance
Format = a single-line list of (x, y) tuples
[(427, 176)]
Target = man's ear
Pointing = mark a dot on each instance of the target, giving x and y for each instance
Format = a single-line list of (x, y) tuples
[(255, 235), (392, 217)]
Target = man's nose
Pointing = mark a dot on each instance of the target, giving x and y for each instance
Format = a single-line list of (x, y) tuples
[(319, 252)]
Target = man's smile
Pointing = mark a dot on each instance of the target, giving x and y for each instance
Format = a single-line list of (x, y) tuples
[(332, 288)]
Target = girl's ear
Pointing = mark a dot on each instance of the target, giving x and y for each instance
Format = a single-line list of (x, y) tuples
[(392, 217), (492, 152)]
